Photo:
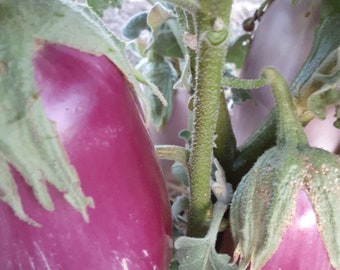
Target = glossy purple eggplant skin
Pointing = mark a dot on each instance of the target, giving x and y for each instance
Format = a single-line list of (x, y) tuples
[(301, 247), (101, 129)]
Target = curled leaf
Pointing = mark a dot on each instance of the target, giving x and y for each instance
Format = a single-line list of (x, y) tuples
[(135, 25)]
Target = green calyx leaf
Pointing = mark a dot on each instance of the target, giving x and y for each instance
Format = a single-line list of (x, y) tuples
[(258, 226), (321, 182), (28, 140), (10, 193)]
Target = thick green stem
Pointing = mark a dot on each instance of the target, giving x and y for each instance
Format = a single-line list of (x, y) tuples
[(211, 32), (237, 164), (205, 116), (290, 131), (173, 152)]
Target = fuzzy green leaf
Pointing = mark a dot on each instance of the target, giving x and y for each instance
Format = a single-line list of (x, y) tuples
[(319, 100), (200, 253), (135, 25), (180, 205), (159, 71), (325, 41), (180, 172), (166, 34), (165, 42)]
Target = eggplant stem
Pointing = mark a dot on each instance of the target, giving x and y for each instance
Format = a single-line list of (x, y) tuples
[(290, 131)]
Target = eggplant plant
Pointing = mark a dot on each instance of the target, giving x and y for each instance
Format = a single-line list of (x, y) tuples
[(288, 183), (80, 181)]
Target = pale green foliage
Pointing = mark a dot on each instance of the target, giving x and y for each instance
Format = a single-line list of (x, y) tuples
[(159, 71), (200, 253), (317, 84), (329, 93)]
